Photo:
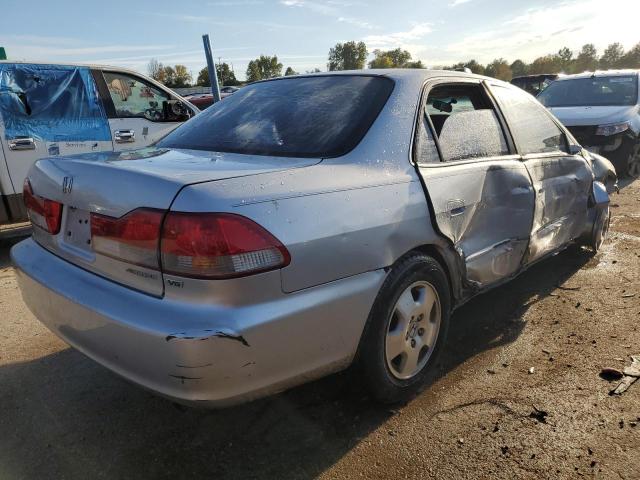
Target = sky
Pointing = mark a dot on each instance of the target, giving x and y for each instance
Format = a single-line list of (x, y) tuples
[(300, 32)]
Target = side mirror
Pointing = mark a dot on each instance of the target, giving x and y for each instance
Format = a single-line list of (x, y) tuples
[(175, 110)]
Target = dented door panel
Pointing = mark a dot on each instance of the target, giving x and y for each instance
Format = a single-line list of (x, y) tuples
[(486, 209), (562, 186)]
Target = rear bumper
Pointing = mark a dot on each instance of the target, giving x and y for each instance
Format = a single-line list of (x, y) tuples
[(206, 354)]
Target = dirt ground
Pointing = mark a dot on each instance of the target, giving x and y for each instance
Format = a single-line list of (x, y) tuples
[(482, 416)]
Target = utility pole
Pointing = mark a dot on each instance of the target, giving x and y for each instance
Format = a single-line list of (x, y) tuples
[(213, 76)]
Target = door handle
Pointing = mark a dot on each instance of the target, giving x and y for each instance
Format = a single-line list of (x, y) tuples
[(23, 143), (455, 207), (124, 136), (457, 211)]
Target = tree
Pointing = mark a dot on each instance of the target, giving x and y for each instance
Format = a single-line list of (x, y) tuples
[(612, 56), (347, 56), (169, 76), (631, 59), (315, 70), (565, 59), (499, 69), (182, 77), (203, 78), (587, 59), (519, 68), (415, 64), (290, 71), (397, 58), (263, 67), (226, 76), (155, 69), (546, 64), (475, 67)]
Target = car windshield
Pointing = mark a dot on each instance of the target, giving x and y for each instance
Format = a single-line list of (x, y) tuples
[(320, 116), (593, 91)]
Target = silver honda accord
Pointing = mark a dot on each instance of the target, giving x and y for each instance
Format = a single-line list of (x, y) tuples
[(303, 225)]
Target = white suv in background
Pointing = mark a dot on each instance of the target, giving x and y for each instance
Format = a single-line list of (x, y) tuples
[(49, 110), (602, 111)]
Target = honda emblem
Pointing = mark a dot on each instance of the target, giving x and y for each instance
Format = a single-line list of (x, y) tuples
[(67, 184)]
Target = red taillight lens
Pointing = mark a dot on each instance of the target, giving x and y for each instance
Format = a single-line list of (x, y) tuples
[(132, 238), (218, 245), (43, 213)]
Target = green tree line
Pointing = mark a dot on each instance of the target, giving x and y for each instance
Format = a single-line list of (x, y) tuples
[(353, 56)]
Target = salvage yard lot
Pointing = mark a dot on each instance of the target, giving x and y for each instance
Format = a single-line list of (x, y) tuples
[(483, 415)]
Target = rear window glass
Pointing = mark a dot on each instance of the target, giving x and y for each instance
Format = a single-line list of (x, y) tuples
[(324, 116)]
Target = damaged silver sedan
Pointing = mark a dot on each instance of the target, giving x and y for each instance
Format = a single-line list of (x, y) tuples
[(303, 225)]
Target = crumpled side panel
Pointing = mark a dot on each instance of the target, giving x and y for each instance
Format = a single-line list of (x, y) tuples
[(562, 186), (486, 210), (51, 103)]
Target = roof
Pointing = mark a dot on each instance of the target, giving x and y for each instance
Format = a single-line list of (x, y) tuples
[(600, 73)]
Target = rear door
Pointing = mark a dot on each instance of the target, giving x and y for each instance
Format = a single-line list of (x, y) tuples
[(140, 112), (48, 110), (561, 180), (479, 189)]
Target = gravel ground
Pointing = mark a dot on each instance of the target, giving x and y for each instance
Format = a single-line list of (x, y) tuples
[(482, 416)]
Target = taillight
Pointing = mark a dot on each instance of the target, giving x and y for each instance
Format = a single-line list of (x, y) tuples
[(218, 245), (44, 213), (132, 238)]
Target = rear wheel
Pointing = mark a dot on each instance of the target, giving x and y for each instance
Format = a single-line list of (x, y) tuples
[(406, 329)]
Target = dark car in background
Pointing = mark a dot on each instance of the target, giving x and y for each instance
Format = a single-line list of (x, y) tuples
[(534, 84), (602, 111)]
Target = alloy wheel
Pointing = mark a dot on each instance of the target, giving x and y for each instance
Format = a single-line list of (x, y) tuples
[(413, 329)]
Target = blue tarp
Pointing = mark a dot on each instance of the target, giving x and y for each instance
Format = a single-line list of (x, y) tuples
[(51, 103)]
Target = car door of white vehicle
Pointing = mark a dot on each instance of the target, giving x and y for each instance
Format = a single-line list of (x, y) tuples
[(478, 187), (47, 110), (562, 180), (140, 112)]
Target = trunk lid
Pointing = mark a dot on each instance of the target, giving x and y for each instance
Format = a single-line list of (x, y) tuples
[(116, 183)]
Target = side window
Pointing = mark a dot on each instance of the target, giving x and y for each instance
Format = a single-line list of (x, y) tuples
[(133, 97), (426, 151), (532, 126), (465, 122)]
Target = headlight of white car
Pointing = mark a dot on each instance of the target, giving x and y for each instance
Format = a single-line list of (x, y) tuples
[(613, 129)]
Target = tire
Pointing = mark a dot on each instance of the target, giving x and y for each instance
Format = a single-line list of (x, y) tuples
[(395, 325), (600, 230), (632, 164)]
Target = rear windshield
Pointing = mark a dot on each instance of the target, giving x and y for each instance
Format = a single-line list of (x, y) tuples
[(595, 91), (324, 116)]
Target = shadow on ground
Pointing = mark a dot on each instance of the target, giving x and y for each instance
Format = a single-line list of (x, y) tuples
[(64, 416)]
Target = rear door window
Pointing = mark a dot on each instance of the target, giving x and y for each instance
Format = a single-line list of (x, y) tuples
[(52, 103), (319, 116), (465, 122), (531, 124)]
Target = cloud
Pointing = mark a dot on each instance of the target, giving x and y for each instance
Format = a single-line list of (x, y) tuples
[(330, 8), (455, 3), (235, 3), (216, 21), (543, 30), (399, 39)]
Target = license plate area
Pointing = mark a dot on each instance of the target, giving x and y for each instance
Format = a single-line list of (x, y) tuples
[(77, 232)]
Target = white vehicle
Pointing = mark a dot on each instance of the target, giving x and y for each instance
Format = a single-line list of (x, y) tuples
[(602, 111), (49, 110)]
